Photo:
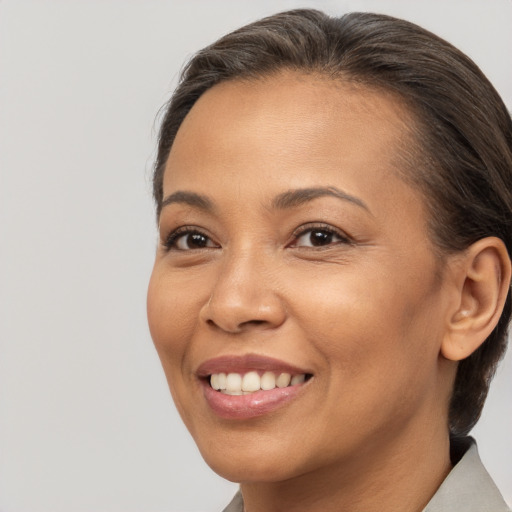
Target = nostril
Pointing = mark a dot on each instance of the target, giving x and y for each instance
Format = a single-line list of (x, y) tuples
[(252, 323), (238, 327)]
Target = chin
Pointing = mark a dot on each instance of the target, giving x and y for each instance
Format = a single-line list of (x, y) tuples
[(249, 462), (249, 470)]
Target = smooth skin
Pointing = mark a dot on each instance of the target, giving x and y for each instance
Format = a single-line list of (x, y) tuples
[(345, 284)]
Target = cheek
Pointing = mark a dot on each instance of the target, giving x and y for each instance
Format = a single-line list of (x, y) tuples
[(171, 317), (371, 321), (378, 343)]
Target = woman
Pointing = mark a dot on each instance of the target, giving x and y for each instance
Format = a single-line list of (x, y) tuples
[(331, 290)]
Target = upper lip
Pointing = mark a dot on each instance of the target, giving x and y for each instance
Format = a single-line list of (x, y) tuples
[(246, 363)]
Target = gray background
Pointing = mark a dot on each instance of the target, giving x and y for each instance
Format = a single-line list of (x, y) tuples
[(86, 421)]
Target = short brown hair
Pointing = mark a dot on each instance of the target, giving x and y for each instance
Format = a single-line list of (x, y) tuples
[(464, 132)]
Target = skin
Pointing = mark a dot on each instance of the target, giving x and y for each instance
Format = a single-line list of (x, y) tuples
[(367, 314)]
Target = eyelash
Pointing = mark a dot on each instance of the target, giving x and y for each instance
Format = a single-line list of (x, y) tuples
[(170, 242), (325, 228), (173, 238)]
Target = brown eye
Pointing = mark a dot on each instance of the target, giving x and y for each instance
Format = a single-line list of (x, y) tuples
[(318, 237), (187, 241)]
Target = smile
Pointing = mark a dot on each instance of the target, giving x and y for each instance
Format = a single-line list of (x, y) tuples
[(236, 384), (245, 387)]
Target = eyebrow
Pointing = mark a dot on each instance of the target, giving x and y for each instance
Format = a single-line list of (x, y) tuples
[(297, 197), (286, 200), (189, 198)]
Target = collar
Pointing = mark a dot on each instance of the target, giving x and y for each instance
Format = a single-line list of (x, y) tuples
[(468, 487)]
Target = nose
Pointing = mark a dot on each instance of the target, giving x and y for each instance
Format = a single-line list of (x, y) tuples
[(244, 297)]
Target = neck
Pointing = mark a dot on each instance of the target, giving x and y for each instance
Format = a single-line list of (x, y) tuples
[(401, 475)]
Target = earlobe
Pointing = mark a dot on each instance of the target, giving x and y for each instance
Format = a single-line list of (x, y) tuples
[(483, 285)]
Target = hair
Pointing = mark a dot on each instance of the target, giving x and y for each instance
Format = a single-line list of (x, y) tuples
[(463, 132)]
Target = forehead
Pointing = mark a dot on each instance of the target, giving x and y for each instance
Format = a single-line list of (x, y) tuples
[(285, 122)]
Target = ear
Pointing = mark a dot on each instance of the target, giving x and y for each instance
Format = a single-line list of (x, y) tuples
[(483, 282)]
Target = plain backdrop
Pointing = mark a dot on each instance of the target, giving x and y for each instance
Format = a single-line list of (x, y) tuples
[(86, 420)]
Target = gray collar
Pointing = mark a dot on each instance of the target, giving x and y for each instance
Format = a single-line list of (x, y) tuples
[(468, 487)]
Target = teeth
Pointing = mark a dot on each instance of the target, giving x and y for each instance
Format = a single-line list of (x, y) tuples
[(234, 382), (298, 379), (283, 380), (214, 381), (251, 382), (268, 381), (238, 384), (222, 377)]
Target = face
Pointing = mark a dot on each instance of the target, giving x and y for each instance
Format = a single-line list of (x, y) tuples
[(294, 267)]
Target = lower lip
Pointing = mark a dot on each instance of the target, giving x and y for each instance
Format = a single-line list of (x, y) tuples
[(243, 407)]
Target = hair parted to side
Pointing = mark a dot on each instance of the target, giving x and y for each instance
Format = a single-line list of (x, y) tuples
[(463, 158)]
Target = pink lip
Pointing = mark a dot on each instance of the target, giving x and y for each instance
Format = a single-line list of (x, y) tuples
[(242, 407), (245, 407)]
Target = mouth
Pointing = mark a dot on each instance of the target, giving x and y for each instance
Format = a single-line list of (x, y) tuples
[(250, 386)]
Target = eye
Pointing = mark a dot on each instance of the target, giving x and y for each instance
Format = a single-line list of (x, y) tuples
[(319, 237), (188, 240)]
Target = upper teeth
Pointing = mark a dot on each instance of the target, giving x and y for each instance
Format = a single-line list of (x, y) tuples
[(238, 384)]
